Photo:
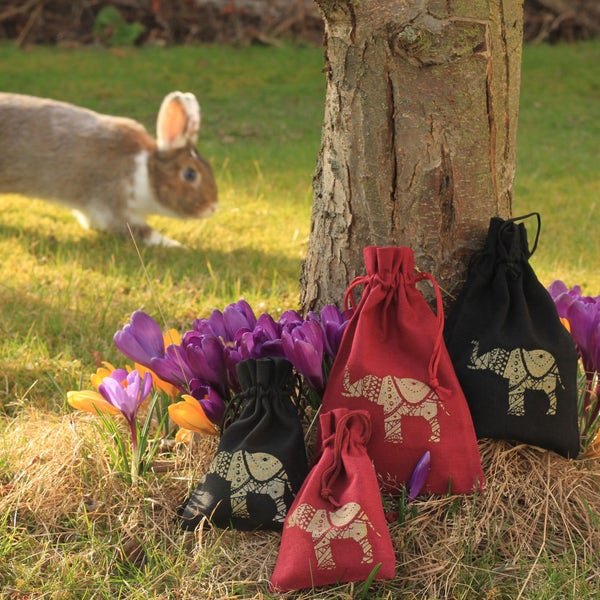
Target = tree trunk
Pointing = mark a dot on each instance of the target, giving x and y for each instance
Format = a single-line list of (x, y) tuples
[(419, 135)]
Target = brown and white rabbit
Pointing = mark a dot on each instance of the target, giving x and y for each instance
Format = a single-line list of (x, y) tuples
[(107, 169)]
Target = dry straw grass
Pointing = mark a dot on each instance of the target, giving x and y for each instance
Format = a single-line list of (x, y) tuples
[(57, 483)]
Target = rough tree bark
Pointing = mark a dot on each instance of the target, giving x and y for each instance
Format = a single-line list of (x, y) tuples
[(419, 134)]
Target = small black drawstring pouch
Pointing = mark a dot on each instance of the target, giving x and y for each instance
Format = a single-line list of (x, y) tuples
[(516, 362), (260, 462)]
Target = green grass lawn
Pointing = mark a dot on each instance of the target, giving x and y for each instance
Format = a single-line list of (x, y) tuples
[(64, 291), (558, 159)]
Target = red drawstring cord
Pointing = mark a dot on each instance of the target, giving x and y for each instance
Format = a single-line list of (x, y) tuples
[(349, 303), (332, 472), (434, 384)]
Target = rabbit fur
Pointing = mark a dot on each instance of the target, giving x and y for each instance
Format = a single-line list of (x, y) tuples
[(108, 170)]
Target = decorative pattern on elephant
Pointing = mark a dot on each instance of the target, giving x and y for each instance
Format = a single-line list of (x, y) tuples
[(399, 396), (347, 522), (524, 370), (252, 472)]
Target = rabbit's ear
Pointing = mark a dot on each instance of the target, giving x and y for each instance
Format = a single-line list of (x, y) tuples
[(178, 121)]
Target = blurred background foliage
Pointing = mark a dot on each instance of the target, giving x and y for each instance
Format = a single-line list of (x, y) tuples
[(122, 22)]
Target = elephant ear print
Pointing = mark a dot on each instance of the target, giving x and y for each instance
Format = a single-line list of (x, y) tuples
[(400, 397), (263, 466), (538, 362)]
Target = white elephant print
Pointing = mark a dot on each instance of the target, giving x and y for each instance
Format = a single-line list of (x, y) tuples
[(399, 397), (252, 472), (347, 522), (524, 370)]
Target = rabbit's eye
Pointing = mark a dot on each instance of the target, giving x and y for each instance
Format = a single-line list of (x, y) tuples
[(190, 174)]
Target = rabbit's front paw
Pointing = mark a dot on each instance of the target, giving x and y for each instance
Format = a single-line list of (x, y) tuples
[(157, 239)]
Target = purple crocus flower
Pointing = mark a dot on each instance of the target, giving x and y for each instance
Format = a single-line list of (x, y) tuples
[(419, 476), (303, 347), (204, 355), (563, 297), (225, 325), (262, 341), (584, 319), (333, 323), (238, 316), (214, 325), (127, 398), (210, 400), (141, 339), (583, 314), (173, 367), (231, 358), (290, 319)]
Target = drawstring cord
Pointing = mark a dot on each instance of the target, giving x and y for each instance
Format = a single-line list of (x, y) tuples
[(434, 361), (350, 303), (522, 218), (330, 475)]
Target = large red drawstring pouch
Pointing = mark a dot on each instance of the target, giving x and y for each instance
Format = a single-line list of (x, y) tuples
[(336, 530), (393, 363)]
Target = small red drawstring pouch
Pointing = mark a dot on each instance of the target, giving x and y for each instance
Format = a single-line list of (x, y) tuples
[(393, 362), (336, 530)]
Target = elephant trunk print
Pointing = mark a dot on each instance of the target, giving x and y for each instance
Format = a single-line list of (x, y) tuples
[(347, 522), (252, 472), (524, 370), (399, 396)]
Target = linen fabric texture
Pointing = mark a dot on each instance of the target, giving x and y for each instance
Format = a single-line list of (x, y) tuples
[(336, 530), (261, 460), (393, 363), (515, 360)]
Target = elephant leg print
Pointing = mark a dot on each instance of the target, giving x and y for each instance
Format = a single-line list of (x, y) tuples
[(348, 522), (399, 397), (524, 370), (252, 472)]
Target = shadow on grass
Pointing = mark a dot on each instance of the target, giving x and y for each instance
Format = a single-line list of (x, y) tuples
[(66, 294)]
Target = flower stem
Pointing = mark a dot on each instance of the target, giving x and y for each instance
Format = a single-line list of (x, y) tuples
[(135, 457)]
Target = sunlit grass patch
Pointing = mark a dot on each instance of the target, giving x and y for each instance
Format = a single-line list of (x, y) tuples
[(69, 525)]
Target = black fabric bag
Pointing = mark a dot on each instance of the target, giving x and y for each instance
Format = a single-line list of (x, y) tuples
[(515, 360), (260, 462)]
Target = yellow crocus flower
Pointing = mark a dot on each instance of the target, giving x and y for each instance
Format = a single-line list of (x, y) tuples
[(189, 414), (91, 401), (184, 436), (101, 372)]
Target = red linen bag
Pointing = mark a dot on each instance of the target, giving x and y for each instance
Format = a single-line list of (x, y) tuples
[(336, 530), (393, 363)]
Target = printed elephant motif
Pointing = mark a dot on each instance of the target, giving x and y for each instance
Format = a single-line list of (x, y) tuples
[(252, 472), (524, 370), (347, 522), (399, 396)]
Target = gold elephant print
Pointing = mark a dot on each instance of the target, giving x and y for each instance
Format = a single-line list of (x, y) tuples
[(524, 370), (347, 522), (399, 397), (252, 472)]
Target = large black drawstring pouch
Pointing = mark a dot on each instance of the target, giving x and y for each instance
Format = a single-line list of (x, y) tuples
[(516, 362)]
